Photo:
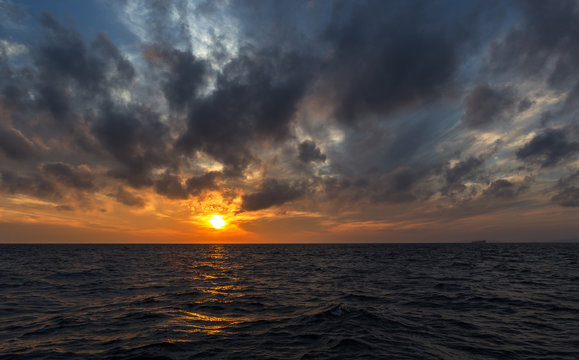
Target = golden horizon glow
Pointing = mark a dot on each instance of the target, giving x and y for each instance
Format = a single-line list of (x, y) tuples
[(217, 221)]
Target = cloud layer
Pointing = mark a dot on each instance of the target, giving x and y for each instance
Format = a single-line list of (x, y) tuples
[(334, 110)]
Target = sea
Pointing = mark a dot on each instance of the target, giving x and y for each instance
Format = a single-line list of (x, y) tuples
[(371, 301)]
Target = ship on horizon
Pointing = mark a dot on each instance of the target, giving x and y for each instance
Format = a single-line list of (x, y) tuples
[(478, 242)]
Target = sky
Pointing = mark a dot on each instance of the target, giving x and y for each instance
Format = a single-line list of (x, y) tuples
[(291, 121)]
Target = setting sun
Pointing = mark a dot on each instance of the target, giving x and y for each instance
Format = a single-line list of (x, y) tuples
[(217, 221)]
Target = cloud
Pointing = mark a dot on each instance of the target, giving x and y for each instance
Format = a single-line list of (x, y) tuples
[(61, 61), (238, 101), (208, 181), (10, 49), (568, 191), (34, 185), (504, 189), (255, 99), (171, 186), (79, 178), (10, 15), (398, 185), (384, 59), (185, 75), (486, 105), (271, 193), (548, 148), (309, 152), (137, 139), (401, 185), (463, 170), (525, 105), (66, 73), (570, 180), (568, 197), (55, 182), (14, 144), (129, 199), (388, 57), (64, 208), (572, 95), (120, 66), (548, 33)]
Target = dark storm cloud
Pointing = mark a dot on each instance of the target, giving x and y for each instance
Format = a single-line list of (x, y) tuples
[(376, 56), (398, 185), (75, 82), (184, 77), (569, 180), (62, 59), (548, 34), (68, 79), (504, 189), (401, 185), (136, 137), (65, 72), (387, 56), (271, 193), (255, 99), (33, 185), (463, 170), (568, 197), (388, 76), (208, 181), (572, 95), (334, 185), (567, 191), (54, 181), (135, 176), (14, 144), (525, 105), (256, 93), (76, 178), (170, 186), (308, 151), (486, 105), (549, 148), (129, 199), (108, 52), (410, 143)]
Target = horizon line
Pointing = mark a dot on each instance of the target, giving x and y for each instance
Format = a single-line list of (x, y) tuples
[(560, 241)]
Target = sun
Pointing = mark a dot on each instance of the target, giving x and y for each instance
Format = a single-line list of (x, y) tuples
[(217, 221)]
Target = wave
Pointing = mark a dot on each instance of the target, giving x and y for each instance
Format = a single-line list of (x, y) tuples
[(294, 302)]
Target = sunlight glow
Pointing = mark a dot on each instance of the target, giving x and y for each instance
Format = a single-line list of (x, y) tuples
[(217, 221)]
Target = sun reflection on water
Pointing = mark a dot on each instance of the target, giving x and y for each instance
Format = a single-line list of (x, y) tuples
[(215, 285), (194, 322)]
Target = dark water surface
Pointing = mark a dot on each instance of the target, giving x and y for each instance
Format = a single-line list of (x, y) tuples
[(462, 301)]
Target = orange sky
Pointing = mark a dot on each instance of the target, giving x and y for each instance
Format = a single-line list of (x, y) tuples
[(28, 220)]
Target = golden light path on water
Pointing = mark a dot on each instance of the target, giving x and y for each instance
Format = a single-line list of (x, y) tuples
[(209, 275)]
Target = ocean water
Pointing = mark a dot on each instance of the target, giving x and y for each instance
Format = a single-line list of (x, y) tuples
[(449, 301)]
